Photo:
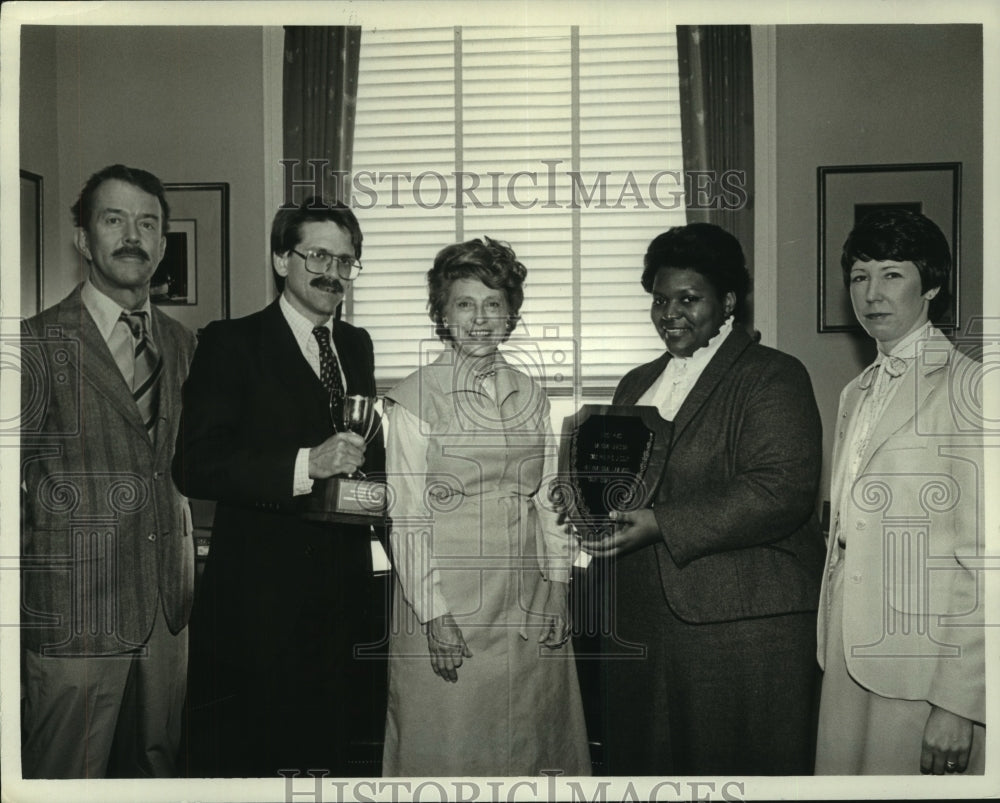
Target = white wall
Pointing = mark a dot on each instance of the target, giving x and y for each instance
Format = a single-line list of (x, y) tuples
[(39, 149)]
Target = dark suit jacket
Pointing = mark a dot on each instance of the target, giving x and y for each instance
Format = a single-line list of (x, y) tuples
[(250, 402), (736, 500), (104, 531)]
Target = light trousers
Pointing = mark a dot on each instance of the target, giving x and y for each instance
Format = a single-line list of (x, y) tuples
[(106, 716), (864, 733)]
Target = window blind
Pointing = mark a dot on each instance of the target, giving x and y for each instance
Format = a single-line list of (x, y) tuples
[(563, 141)]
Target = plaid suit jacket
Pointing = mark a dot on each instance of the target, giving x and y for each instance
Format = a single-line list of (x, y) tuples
[(105, 535)]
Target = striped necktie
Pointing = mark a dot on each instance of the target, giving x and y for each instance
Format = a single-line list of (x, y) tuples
[(148, 367), (329, 373)]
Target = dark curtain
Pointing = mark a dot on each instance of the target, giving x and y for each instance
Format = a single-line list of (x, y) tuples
[(320, 85), (716, 84)]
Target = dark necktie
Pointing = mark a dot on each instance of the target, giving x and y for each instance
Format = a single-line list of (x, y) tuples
[(148, 367), (329, 372)]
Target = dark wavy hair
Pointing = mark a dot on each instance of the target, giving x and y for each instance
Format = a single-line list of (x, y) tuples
[(491, 262), (286, 229), (903, 236), (82, 209), (707, 249)]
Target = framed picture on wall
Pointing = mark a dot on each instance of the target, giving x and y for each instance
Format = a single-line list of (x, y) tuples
[(31, 243), (176, 277), (848, 193), (192, 281)]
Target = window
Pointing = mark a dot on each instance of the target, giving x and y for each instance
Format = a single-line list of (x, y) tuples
[(564, 142)]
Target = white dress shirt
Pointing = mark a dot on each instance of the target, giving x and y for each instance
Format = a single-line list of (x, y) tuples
[(302, 330)]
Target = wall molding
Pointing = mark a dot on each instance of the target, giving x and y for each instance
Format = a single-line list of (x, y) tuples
[(272, 73), (765, 115)]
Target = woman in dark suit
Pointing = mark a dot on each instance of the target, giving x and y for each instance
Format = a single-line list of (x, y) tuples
[(719, 579)]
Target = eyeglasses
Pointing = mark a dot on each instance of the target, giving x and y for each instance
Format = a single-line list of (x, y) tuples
[(320, 262)]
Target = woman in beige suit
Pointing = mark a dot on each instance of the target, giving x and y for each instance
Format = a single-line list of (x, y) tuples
[(901, 612)]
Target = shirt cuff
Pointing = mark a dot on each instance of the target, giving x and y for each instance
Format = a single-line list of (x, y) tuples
[(302, 483), (432, 606)]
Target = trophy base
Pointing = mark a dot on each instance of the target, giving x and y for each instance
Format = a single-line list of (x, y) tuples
[(346, 501)]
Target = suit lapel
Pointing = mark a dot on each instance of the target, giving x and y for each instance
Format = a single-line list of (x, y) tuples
[(280, 354), (357, 382), (170, 353), (848, 413), (96, 365), (632, 388), (904, 404), (718, 367)]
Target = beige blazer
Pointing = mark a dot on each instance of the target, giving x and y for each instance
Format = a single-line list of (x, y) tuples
[(913, 527)]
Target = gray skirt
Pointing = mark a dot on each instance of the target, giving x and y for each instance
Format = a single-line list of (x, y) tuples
[(725, 698)]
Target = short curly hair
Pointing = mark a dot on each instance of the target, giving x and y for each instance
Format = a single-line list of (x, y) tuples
[(490, 261), (903, 236), (706, 249)]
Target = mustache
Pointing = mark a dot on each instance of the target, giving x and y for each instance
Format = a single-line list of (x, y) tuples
[(327, 283), (130, 251)]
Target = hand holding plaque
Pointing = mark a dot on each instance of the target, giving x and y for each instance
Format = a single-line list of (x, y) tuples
[(611, 459), (633, 530)]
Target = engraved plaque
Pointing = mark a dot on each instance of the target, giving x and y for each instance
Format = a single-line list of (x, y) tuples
[(611, 458), (345, 500)]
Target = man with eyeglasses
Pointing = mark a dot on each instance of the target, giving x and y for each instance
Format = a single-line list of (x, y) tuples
[(285, 599)]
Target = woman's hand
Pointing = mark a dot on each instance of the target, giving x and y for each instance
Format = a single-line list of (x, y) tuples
[(447, 647), (947, 743), (633, 530), (548, 610), (556, 624)]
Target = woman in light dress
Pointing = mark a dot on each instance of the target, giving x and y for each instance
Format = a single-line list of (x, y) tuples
[(482, 679)]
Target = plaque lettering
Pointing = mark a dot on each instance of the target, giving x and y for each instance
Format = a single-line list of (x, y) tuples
[(611, 458)]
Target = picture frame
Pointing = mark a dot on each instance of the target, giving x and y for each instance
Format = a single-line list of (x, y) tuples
[(32, 284), (191, 283), (846, 193), (175, 281)]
